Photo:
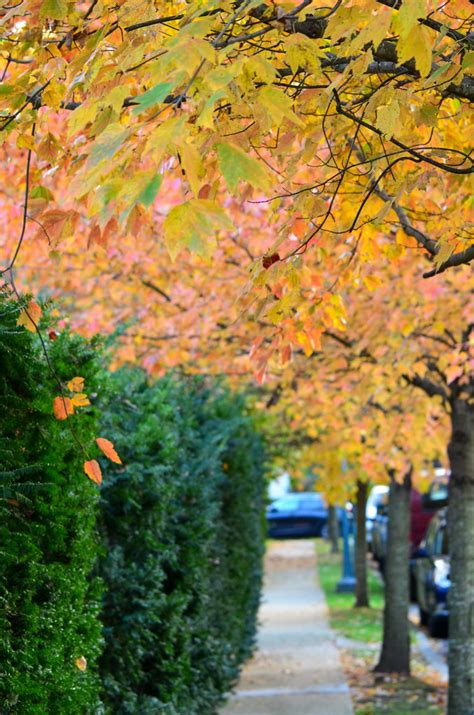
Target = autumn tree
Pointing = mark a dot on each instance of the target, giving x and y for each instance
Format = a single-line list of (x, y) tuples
[(138, 131)]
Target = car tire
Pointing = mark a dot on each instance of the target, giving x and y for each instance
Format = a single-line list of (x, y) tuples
[(437, 627), (424, 616), (382, 567), (413, 589)]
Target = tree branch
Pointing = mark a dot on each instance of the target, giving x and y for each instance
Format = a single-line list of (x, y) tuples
[(413, 152), (457, 259), (428, 387)]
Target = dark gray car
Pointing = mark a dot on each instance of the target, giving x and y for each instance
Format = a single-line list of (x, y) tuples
[(297, 515), (432, 573)]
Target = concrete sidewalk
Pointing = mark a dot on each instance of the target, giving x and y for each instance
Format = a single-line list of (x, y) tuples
[(296, 670)]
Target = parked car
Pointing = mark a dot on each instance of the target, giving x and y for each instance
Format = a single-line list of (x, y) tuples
[(420, 516), (376, 498), (297, 515), (432, 574), (379, 531)]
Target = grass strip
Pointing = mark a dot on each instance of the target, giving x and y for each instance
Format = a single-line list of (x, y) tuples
[(373, 694)]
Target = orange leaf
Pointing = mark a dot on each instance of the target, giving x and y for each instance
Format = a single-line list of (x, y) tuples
[(107, 448), (29, 316), (286, 354), (62, 408), (76, 384), (93, 471), (81, 663)]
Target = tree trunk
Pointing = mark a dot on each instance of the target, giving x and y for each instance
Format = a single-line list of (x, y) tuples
[(333, 529), (395, 655), (461, 549), (361, 592)]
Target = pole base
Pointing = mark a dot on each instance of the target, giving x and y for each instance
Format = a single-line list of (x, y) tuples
[(346, 585)]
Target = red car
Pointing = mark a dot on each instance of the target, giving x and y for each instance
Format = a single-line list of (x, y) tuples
[(420, 517)]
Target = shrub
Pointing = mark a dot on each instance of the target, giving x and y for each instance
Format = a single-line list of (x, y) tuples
[(183, 540), (49, 604)]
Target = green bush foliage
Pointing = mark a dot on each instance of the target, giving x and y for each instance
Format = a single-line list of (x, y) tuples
[(184, 534), (49, 605)]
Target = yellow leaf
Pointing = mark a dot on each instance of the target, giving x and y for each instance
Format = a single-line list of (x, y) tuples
[(423, 53), (193, 225), (25, 141), (81, 663), (415, 41), (76, 384), (388, 118), (83, 115), (80, 399), (221, 76), (30, 316), (305, 342), (93, 471), (277, 105), (301, 52), (192, 165), (53, 94), (372, 282), (115, 97), (163, 136)]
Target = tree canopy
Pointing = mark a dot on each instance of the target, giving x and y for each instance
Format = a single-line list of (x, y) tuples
[(346, 121)]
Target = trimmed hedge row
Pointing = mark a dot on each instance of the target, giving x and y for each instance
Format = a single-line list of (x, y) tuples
[(49, 604), (184, 541), (172, 558)]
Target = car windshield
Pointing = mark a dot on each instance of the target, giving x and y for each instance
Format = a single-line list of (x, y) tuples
[(315, 502), (307, 502), (285, 504)]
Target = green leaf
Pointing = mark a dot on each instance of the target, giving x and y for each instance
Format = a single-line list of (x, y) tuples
[(206, 118), (236, 166), (41, 192), (148, 194), (468, 61), (193, 225), (54, 9), (107, 144), (155, 95)]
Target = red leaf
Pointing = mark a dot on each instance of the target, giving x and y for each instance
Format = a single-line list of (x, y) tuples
[(268, 261)]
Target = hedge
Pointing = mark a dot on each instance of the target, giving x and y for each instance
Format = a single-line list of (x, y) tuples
[(172, 559), (183, 531), (49, 605)]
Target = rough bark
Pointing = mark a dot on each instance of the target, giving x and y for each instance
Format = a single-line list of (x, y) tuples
[(395, 654), (361, 592), (333, 529), (461, 548)]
